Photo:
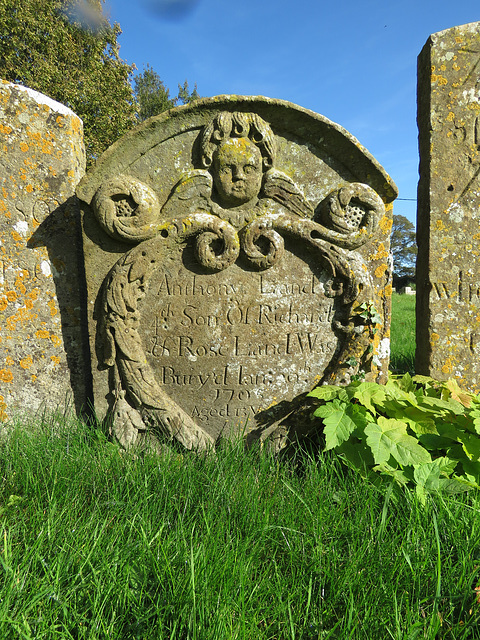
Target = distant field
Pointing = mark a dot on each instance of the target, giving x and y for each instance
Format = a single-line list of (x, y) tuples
[(402, 357)]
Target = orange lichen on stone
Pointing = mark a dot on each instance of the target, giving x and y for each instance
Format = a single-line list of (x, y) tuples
[(56, 340), (9, 361), (3, 406), (24, 147), (6, 375), (380, 270), (29, 188), (44, 145), (42, 333), (11, 296), (33, 295), (19, 281), (17, 237), (26, 362), (447, 367), (55, 360), (388, 290), (53, 310), (381, 252), (385, 224)]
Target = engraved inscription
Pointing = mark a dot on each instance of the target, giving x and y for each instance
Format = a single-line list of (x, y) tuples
[(227, 346), (463, 290)]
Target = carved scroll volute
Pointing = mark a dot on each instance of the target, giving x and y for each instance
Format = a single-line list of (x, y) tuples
[(127, 209), (353, 211)]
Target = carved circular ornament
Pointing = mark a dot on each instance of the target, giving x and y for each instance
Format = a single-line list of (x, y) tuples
[(127, 209), (353, 208)]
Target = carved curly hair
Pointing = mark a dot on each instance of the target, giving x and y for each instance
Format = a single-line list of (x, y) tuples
[(238, 125)]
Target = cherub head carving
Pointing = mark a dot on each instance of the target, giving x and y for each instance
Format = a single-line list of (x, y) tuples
[(237, 148)]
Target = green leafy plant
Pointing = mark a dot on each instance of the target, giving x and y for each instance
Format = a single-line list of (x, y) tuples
[(417, 430)]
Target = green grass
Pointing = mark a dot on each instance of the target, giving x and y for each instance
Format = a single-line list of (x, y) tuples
[(402, 359), (95, 543)]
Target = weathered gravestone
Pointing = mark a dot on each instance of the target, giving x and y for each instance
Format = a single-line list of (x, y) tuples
[(42, 158), (236, 255), (448, 218)]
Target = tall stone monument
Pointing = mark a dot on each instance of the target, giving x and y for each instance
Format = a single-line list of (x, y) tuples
[(236, 255), (42, 158), (448, 219)]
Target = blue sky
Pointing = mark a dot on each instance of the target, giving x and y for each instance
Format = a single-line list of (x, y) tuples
[(352, 61)]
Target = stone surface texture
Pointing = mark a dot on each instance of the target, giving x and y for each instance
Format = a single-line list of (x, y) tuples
[(42, 159), (236, 255), (448, 217)]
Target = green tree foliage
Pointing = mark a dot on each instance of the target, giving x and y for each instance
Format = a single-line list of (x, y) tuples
[(68, 50), (153, 97), (404, 248), (185, 96)]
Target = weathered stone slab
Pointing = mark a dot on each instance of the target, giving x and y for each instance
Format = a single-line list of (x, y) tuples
[(42, 159), (448, 219), (236, 254)]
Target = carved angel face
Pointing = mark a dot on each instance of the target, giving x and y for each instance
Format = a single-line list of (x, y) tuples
[(237, 172)]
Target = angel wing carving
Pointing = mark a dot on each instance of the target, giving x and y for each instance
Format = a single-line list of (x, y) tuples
[(283, 190), (191, 194)]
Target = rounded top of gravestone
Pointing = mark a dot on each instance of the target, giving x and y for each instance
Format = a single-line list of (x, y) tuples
[(173, 131), (41, 99)]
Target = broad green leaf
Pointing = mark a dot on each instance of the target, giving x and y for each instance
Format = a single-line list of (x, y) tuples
[(461, 423), (441, 407), (428, 474), (472, 471), (456, 393), (446, 465), (338, 424), (396, 474), (433, 442), (421, 494), (474, 414), (470, 444), (394, 408), (326, 392), (425, 380), (370, 394), (389, 437), (419, 413), (405, 383), (456, 485), (476, 424), (421, 427), (447, 436), (356, 454), (395, 392), (456, 452)]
